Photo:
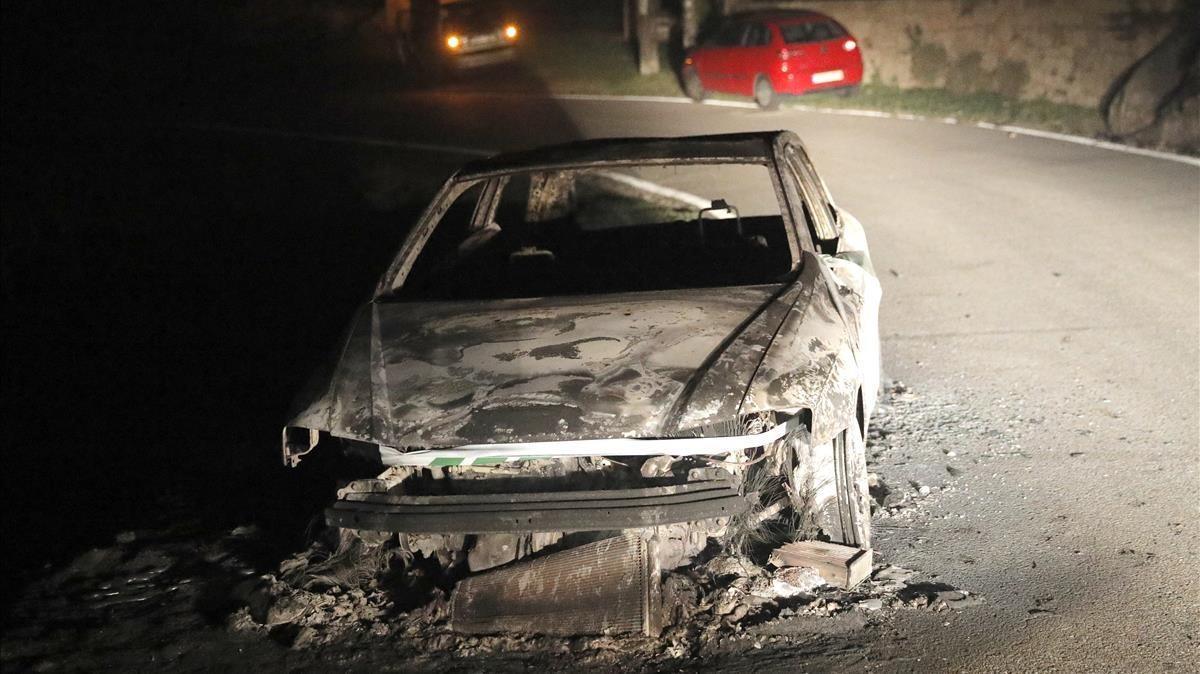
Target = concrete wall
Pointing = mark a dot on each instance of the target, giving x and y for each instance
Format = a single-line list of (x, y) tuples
[(1068, 51)]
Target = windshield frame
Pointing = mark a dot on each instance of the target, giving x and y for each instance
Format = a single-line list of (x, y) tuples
[(393, 280)]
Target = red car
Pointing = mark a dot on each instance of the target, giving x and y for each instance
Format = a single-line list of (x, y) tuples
[(767, 54)]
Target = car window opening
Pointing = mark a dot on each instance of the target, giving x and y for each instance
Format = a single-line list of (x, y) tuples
[(606, 230), (812, 31)]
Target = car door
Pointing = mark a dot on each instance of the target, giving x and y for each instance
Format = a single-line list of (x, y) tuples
[(714, 59), (753, 57)]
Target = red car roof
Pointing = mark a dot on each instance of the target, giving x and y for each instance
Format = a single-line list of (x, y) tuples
[(780, 16)]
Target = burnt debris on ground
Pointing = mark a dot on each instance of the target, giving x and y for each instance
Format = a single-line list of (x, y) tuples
[(163, 587), (904, 482), (350, 594)]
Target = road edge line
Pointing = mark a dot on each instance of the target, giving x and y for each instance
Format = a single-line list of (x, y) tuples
[(374, 141), (881, 114)]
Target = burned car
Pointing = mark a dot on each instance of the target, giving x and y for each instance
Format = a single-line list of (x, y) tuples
[(604, 357)]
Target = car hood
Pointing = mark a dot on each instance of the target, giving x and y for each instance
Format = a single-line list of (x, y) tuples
[(452, 373)]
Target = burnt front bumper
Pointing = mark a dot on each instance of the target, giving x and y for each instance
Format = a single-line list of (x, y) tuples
[(566, 511)]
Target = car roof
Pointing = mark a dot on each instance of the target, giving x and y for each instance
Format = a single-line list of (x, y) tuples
[(778, 16), (731, 147)]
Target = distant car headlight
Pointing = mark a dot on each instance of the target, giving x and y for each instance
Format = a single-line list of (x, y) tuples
[(510, 31), (453, 42), (849, 45)]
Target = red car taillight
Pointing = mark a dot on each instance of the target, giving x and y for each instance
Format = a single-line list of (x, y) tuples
[(849, 45)]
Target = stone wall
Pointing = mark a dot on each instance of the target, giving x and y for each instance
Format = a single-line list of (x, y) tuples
[(1068, 51)]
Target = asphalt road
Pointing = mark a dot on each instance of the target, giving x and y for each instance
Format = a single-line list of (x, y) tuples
[(1047, 288)]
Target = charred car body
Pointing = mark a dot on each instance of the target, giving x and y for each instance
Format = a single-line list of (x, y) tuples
[(665, 340)]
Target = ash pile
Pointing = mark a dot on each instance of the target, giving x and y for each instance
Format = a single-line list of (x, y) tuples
[(593, 593), (350, 589), (663, 594), (784, 551), (566, 547)]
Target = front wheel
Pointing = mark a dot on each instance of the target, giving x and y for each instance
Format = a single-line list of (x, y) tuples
[(827, 485), (693, 88), (764, 94)]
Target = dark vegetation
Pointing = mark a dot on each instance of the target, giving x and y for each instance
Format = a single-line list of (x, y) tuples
[(162, 306), (166, 290), (168, 285)]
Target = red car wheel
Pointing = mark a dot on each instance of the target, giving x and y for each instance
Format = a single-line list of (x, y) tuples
[(693, 88), (764, 93)]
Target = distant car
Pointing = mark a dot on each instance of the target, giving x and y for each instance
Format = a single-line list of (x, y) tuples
[(764, 55), (477, 34), (649, 336)]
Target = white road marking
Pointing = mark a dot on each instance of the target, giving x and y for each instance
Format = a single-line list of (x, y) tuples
[(373, 141), (648, 99), (855, 112), (850, 112), (661, 190), (1093, 142), (633, 181)]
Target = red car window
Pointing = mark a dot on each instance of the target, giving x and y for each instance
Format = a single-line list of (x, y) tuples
[(728, 35), (814, 31), (757, 36)]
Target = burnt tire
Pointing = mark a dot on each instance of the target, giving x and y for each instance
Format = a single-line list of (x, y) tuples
[(764, 94), (693, 88), (854, 496), (828, 488)]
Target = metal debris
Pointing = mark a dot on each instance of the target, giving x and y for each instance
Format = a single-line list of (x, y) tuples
[(838, 565), (607, 587)]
